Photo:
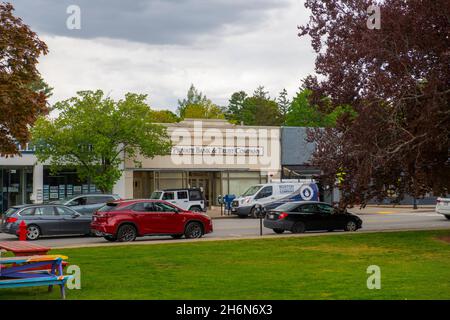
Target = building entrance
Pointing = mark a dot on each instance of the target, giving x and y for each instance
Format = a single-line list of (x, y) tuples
[(16, 186)]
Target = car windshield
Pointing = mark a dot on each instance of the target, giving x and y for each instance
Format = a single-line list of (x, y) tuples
[(11, 211), (108, 207), (156, 195), (251, 191), (61, 201), (288, 206)]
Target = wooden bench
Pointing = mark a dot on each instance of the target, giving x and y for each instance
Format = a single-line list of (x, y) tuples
[(21, 272)]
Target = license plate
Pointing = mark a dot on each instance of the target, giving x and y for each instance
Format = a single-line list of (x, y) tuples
[(271, 216)]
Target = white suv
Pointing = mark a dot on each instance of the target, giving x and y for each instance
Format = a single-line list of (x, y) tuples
[(443, 207), (187, 199)]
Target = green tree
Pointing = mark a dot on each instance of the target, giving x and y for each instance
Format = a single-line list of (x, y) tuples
[(193, 97), (40, 86), (259, 111), (261, 93), (93, 133), (304, 114), (204, 111), (235, 106), (164, 116), (283, 104)]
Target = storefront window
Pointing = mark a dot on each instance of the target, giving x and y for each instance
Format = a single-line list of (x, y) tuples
[(16, 187), (64, 184)]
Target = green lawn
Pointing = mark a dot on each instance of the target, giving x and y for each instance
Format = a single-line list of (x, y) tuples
[(414, 265)]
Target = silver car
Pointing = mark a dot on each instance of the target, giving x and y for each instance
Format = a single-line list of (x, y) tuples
[(45, 220), (443, 207), (87, 203)]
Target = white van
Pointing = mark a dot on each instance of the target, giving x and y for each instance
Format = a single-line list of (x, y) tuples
[(272, 195), (186, 199)]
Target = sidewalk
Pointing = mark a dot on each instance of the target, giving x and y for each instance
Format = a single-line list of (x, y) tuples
[(389, 209), (214, 212)]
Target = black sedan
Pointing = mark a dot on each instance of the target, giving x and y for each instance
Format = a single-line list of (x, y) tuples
[(45, 220), (302, 216)]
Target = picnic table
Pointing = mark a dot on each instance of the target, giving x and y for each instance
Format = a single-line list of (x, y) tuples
[(23, 248), (22, 271)]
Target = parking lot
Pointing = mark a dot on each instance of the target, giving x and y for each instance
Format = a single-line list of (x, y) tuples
[(235, 228)]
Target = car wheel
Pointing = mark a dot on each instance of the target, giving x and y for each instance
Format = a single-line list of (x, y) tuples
[(298, 227), (195, 209), (176, 236), (350, 226), (448, 217), (110, 238), (279, 231), (33, 232), (330, 230), (254, 214), (126, 233), (193, 230)]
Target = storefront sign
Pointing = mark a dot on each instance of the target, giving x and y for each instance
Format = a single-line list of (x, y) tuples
[(211, 150)]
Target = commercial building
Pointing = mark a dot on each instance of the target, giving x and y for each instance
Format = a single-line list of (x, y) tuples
[(215, 155), (24, 180)]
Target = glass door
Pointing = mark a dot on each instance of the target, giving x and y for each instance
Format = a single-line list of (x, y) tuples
[(202, 181), (12, 188)]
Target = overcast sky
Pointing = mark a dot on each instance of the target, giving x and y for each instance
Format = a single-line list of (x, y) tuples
[(160, 47)]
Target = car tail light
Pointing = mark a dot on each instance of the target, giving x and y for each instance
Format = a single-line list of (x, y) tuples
[(11, 220), (282, 215)]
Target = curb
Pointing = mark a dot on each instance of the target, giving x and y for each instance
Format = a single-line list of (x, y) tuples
[(270, 236)]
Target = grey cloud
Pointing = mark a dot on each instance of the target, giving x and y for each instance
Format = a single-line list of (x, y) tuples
[(148, 21)]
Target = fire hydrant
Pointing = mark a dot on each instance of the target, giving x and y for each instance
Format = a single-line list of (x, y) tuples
[(23, 231)]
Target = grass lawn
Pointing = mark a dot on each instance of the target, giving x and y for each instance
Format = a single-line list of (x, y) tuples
[(414, 265)]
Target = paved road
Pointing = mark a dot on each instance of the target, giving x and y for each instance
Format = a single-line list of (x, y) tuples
[(242, 228)]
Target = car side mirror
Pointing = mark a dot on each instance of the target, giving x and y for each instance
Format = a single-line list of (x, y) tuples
[(76, 215)]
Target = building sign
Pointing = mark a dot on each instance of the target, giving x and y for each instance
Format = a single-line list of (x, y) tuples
[(211, 150), (28, 148)]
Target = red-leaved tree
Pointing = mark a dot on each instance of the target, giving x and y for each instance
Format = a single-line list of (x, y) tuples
[(397, 78), (20, 103)]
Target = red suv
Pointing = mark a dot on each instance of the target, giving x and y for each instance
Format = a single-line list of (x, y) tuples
[(124, 220)]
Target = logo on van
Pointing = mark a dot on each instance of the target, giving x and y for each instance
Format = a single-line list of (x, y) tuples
[(306, 192)]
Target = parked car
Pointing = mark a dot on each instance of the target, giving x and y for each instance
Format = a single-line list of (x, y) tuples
[(272, 195), (87, 203), (301, 216), (45, 220), (443, 207), (127, 219), (186, 199)]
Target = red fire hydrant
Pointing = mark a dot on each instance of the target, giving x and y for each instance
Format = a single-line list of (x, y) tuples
[(23, 231)]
